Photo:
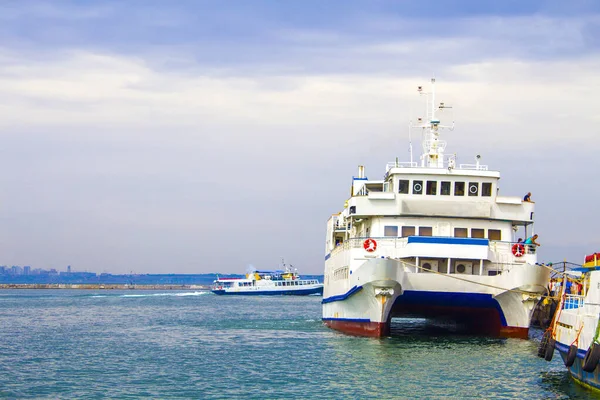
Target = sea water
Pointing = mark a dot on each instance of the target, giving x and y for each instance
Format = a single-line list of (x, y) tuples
[(169, 344)]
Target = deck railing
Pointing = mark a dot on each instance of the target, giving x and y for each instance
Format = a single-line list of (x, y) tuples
[(573, 301), (505, 257)]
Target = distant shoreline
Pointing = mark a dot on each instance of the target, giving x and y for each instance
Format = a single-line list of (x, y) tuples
[(100, 286)]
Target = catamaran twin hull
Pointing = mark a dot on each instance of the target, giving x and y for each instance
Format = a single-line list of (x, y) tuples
[(381, 289)]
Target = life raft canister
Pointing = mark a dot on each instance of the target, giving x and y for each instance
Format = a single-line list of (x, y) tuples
[(370, 245), (518, 250)]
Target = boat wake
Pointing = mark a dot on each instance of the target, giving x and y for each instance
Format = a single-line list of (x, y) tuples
[(179, 294), (184, 294)]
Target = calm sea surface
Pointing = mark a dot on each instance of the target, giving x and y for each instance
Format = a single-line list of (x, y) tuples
[(140, 344)]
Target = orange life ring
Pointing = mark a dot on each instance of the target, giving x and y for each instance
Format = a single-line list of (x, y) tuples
[(370, 245), (518, 250)]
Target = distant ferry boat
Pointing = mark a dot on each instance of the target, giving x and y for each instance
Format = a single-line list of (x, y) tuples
[(432, 239), (277, 283), (575, 329)]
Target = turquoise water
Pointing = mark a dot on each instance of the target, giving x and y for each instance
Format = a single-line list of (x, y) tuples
[(139, 344)]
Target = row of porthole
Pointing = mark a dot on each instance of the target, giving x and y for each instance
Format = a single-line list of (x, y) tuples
[(445, 190)]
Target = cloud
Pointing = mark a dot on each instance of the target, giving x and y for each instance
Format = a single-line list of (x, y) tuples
[(211, 154)]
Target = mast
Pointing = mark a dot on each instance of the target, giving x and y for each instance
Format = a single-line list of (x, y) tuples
[(433, 147)]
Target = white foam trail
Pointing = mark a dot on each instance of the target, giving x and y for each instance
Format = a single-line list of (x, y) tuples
[(166, 294)]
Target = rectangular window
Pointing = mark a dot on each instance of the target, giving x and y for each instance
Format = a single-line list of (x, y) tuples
[(486, 189), (473, 188), (417, 187), (425, 231), (459, 188), (390, 231), (445, 189), (460, 232), (431, 187), (494, 234), (478, 233), (403, 186), (408, 231)]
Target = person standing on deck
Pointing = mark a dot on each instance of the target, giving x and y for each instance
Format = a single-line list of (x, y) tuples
[(531, 244)]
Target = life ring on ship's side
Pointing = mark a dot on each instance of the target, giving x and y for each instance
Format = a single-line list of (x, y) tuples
[(571, 355), (590, 362), (518, 250), (370, 245)]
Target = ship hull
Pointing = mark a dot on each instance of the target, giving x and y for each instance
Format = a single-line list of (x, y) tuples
[(266, 292), (590, 380), (466, 302)]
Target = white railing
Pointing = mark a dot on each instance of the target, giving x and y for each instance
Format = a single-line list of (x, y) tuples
[(507, 247), (573, 301), (503, 260), (407, 164), (476, 167), (447, 163)]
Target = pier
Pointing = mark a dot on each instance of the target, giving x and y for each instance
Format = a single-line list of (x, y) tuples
[(101, 286)]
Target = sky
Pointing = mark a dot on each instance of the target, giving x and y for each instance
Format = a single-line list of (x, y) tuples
[(205, 136)]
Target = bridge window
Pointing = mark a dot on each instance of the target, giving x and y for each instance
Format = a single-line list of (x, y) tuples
[(445, 189), (459, 188), (417, 187), (486, 189), (403, 186), (425, 231), (494, 234), (408, 231), (461, 232), (478, 233), (473, 188), (431, 187), (390, 231)]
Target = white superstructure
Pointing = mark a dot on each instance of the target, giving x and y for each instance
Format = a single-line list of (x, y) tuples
[(434, 239)]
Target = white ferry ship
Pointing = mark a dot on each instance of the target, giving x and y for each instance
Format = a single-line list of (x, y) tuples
[(432, 239), (575, 330), (278, 282)]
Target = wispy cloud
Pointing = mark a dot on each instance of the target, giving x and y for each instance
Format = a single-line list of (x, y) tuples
[(159, 135)]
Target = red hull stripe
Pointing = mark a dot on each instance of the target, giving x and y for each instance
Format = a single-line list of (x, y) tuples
[(358, 327), (364, 327)]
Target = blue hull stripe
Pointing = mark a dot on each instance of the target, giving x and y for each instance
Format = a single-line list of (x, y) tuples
[(302, 292), (327, 256), (448, 240), (563, 348), (341, 297), (348, 319), (585, 378)]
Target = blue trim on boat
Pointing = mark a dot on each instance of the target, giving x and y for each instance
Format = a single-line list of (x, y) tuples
[(359, 179), (327, 256), (299, 292), (587, 379), (448, 240), (347, 319), (563, 348), (341, 297), (451, 299)]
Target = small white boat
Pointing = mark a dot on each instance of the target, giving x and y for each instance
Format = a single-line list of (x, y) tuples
[(575, 329), (264, 283)]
